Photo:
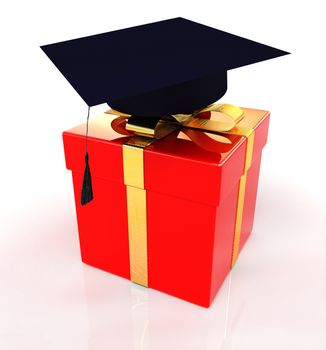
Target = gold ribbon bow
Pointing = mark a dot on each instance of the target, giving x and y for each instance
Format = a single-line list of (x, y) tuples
[(205, 127), (212, 129)]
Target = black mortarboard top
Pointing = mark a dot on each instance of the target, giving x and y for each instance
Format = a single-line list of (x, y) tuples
[(153, 70), (167, 67)]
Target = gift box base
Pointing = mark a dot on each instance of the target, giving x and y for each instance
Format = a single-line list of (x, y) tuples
[(189, 241)]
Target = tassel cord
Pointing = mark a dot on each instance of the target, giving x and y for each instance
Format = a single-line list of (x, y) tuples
[(87, 191)]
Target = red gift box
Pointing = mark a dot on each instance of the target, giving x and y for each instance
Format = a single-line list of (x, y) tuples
[(192, 205)]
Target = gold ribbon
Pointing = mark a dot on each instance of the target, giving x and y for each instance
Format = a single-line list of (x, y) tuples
[(210, 129)]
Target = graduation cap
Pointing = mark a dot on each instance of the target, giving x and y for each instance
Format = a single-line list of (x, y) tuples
[(157, 69)]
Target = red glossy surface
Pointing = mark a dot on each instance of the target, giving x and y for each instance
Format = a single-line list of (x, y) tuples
[(191, 206), (102, 226)]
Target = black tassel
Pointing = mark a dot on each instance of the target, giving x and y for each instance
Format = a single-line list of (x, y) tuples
[(87, 190)]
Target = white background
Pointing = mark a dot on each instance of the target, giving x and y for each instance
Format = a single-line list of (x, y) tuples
[(275, 298)]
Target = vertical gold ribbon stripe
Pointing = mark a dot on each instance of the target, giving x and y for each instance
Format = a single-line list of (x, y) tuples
[(137, 231), (250, 135), (133, 169), (133, 166), (238, 220)]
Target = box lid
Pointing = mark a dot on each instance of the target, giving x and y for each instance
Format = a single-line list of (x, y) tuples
[(174, 166)]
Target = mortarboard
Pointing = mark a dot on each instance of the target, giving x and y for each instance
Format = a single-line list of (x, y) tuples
[(157, 69), (162, 68)]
